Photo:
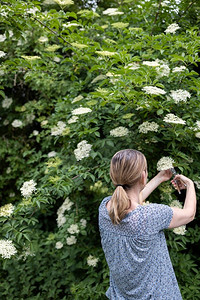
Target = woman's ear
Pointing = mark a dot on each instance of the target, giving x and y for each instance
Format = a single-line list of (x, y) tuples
[(144, 178)]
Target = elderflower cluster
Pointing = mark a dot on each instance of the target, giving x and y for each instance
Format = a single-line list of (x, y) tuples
[(17, 123), (59, 245), (83, 223), (6, 210), (148, 126), (172, 28), (66, 206), (83, 150), (78, 98), (112, 12), (25, 253), (81, 110), (2, 37), (72, 120), (2, 54), (165, 163), (92, 261), (180, 95), (176, 203), (133, 66), (163, 70), (153, 90), (179, 69), (181, 230), (71, 240), (43, 39), (52, 154), (106, 53), (151, 63), (120, 25), (28, 188), (64, 2), (73, 229), (171, 118), (7, 249), (79, 46), (58, 130), (119, 131), (6, 103)]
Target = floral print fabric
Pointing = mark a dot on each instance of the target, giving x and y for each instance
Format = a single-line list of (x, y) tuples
[(137, 254)]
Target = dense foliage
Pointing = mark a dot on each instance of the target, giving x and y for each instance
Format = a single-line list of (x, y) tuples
[(75, 87)]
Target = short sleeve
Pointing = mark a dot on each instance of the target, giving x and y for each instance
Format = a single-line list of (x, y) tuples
[(158, 217)]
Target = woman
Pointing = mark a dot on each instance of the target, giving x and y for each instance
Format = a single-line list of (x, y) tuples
[(132, 234)]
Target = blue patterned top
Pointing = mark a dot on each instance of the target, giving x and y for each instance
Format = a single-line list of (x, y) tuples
[(137, 254)]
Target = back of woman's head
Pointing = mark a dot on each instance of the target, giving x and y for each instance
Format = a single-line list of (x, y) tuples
[(125, 171)]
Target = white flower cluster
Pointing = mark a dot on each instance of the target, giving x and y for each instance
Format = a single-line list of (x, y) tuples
[(133, 66), (171, 118), (30, 118), (66, 206), (43, 39), (58, 130), (2, 37), (6, 210), (59, 245), (172, 28), (73, 229), (32, 10), (64, 2), (78, 98), (35, 132), (197, 135), (148, 126), (6, 103), (92, 261), (2, 54), (25, 253), (28, 188), (153, 90), (71, 240), (180, 95), (80, 111), (73, 119), (153, 63), (83, 150), (7, 249), (179, 69), (52, 154), (83, 223), (176, 203), (112, 12), (165, 163), (17, 123), (106, 53), (181, 230), (163, 70), (119, 131)]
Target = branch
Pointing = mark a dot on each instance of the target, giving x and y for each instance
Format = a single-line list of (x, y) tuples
[(189, 6), (156, 16), (54, 32)]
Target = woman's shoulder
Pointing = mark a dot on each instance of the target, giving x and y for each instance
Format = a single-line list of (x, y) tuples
[(104, 201)]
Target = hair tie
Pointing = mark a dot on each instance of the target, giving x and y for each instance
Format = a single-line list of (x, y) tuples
[(119, 185)]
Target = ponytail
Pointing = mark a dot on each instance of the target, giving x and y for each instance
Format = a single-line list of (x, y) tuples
[(125, 171), (119, 205)]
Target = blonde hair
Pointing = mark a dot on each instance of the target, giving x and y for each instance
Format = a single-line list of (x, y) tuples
[(125, 171)]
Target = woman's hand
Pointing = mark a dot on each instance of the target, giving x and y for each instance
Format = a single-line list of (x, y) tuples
[(165, 175), (181, 182)]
